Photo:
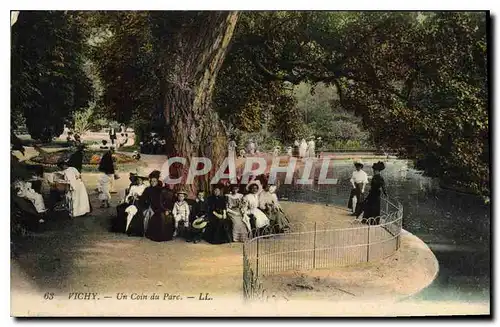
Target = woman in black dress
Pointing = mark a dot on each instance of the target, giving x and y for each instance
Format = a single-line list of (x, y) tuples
[(219, 229), (158, 219), (371, 206)]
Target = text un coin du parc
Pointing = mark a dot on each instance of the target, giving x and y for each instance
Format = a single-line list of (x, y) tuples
[(254, 166), (139, 296)]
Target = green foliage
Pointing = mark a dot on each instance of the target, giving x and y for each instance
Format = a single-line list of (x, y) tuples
[(48, 80), (325, 117), (418, 80), (126, 64), (83, 121)]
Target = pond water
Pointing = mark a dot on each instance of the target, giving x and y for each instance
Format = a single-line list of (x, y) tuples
[(456, 226)]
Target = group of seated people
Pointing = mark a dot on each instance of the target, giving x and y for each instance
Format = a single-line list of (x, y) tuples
[(151, 210)]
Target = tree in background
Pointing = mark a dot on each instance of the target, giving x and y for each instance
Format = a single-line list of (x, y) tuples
[(418, 80), (326, 118), (48, 80)]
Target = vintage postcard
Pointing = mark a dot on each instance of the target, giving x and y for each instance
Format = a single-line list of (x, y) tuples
[(250, 163)]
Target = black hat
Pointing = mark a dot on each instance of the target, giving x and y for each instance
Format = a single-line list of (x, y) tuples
[(358, 163), (155, 174), (378, 166)]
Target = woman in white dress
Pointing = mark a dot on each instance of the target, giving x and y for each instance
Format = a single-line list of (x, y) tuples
[(269, 204), (311, 149), (241, 224), (258, 220), (302, 148), (77, 195)]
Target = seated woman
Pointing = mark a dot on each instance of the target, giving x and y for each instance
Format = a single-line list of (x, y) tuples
[(269, 204), (77, 194), (25, 190), (241, 227), (219, 229), (125, 214), (158, 223), (258, 220)]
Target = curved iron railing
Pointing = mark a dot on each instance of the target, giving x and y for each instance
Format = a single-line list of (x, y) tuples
[(321, 244)]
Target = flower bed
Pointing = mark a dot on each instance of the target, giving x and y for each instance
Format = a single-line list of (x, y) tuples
[(91, 159)]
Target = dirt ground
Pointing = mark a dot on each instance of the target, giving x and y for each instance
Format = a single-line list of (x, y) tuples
[(80, 255)]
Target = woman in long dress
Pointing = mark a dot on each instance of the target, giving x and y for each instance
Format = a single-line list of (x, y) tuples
[(158, 219), (241, 227), (311, 152), (258, 220), (219, 228), (371, 207), (269, 204), (302, 148), (77, 195), (359, 179)]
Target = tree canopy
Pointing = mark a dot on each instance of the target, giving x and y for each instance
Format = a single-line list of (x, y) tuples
[(417, 82), (49, 83)]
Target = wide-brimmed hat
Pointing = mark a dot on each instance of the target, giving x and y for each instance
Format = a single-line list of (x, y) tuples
[(358, 163), (199, 223), (139, 173), (181, 191), (255, 182), (379, 166)]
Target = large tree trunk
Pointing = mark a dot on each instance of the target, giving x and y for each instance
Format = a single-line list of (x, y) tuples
[(196, 50)]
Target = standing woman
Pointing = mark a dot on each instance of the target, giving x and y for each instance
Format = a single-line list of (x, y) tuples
[(359, 179), (302, 148), (232, 148), (76, 159), (112, 135), (158, 219), (371, 207), (77, 194), (219, 229), (107, 166), (311, 148), (241, 227)]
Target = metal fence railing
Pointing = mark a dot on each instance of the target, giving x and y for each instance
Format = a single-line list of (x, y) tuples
[(321, 244)]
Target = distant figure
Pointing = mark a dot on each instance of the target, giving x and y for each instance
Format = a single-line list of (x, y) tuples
[(276, 151), (104, 145), (296, 146), (319, 144), (251, 147), (310, 153), (302, 148), (136, 155), (289, 151), (231, 148), (242, 153), (76, 159), (122, 140), (112, 135), (107, 167)]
